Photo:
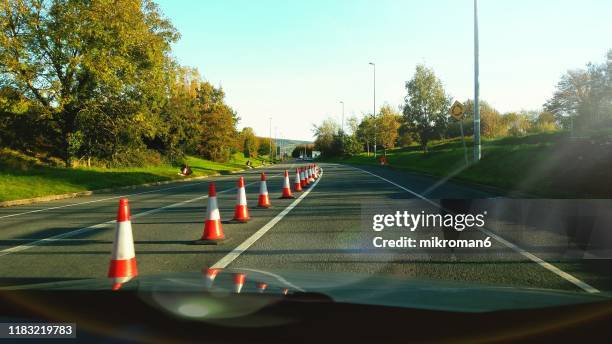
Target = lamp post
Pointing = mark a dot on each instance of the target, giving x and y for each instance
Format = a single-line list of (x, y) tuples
[(270, 139), (374, 106), (341, 102), (477, 146)]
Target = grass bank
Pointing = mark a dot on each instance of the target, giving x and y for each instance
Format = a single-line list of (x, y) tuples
[(543, 165), (35, 180)]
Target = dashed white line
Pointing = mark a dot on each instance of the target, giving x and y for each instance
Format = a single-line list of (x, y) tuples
[(100, 225)]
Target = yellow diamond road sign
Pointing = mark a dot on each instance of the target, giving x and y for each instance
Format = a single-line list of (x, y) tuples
[(457, 110)]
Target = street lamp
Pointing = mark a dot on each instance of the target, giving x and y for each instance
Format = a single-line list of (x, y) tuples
[(477, 147), (341, 102), (374, 107), (270, 139)]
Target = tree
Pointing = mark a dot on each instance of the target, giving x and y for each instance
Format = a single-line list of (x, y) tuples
[(426, 106), (583, 98), (80, 59), (324, 133), (264, 146), (365, 132), (217, 124), (299, 150), (387, 125), (250, 143)]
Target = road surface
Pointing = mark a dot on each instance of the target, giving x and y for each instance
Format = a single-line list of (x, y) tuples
[(320, 231)]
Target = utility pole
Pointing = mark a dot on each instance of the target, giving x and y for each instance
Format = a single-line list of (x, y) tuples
[(374, 107), (275, 143), (341, 102), (477, 146), (270, 139)]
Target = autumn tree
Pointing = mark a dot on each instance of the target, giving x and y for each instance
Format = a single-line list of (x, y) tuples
[(88, 61), (249, 142)]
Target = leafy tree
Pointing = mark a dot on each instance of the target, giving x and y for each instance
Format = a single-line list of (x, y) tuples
[(264, 146), (387, 125), (426, 106), (249, 142), (324, 133), (583, 98), (79, 59), (365, 132), (300, 149), (217, 124)]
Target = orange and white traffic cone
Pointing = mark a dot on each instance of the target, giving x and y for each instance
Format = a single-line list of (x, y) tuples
[(261, 287), (123, 259), (302, 179), (305, 178), (297, 185), (239, 279), (210, 274), (213, 231), (241, 212), (310, 174), (286, 186), (264, 199)]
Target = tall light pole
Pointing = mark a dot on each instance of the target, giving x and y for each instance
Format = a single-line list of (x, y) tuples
[(275, 143), (341, 102), (477, 147), (270, 139), (374, 107)]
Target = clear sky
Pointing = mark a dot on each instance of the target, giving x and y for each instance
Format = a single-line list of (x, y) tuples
[(295, 60)]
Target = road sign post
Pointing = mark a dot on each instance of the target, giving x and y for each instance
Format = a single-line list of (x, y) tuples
[(458, 112)]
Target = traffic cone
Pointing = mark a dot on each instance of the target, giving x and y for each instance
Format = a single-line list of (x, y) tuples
[(285, 291), (241, 212), (310, 175), (304, 179), (210, 274), (264, 199), (261, 287), (213, 231), (239, 279), (123, 259), (286, 186), (297, 186)]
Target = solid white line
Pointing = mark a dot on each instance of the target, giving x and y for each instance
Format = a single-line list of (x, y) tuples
[(101, 225), (568, 277), (235, 253)]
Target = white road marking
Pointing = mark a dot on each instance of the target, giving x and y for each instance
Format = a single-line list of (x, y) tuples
[(235, 253), (98, 200), (101, 225), (566, 276), (110, 198)]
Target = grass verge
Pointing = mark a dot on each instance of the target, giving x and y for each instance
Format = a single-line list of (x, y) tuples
[(37, 181), (543, 165)]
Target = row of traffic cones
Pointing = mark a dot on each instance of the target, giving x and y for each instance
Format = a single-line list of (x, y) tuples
[(123, 266), (213, 230)]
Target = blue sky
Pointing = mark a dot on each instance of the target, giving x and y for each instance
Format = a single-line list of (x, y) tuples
[(295, 60)]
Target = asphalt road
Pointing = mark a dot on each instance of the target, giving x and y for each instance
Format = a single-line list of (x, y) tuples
[(322, 231)]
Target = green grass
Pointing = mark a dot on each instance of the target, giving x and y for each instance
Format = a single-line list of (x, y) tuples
[(544, 165), (36, 181)]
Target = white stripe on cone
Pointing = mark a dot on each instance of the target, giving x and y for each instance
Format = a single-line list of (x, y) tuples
[(241, 197)]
